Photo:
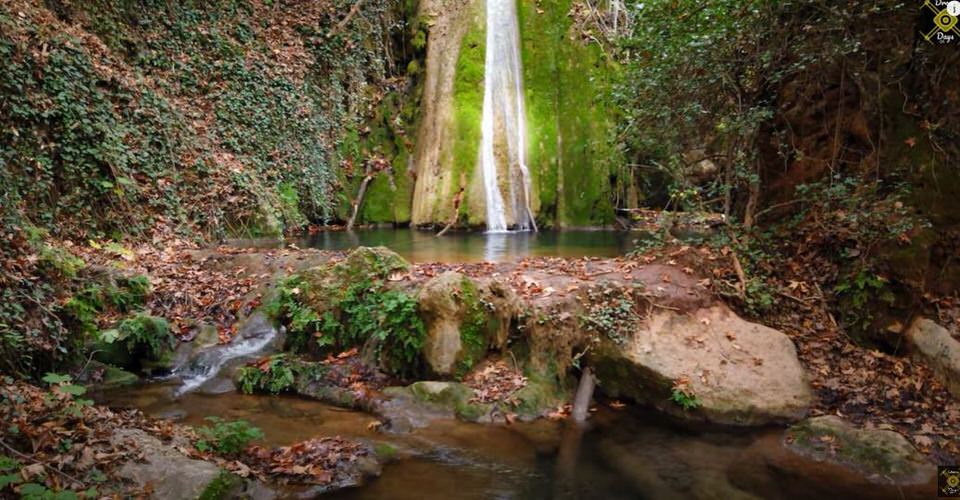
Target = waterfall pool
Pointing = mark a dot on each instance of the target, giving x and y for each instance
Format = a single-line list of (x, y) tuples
[(625, 453), (424, 246)]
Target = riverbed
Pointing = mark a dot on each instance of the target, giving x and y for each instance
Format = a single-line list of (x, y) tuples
[(625, 453)]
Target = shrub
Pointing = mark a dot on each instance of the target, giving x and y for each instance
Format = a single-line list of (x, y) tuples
[(144, 336), (226, 437), (275, 374)]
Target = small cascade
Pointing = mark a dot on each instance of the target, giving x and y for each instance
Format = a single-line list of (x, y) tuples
[(255, 337), (503, 146)]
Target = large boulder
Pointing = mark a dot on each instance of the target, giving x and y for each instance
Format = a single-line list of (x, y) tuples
[(327, 283), (937, 347), (463, 319), (882, 456), (709, 365), (171, 473)]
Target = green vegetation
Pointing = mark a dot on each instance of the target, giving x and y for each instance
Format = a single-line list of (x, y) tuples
[(571, 118), (141, 338), (611, 313), (473, 329), (274, 375), (226, 437), (684, 399), (323, 316)]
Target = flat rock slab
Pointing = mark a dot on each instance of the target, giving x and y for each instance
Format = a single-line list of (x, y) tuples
[(937, 347), (883, 456), (737, 372), (171, 473)]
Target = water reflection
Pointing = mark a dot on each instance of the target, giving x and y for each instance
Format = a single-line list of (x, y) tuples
[(423, 246)]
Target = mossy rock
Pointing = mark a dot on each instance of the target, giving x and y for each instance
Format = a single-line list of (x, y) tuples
[(110, 377), (140, 342), (225, 485), (464, 319), (447, 394), (327, 283), (538, 398), (453, 397), (883, 456)]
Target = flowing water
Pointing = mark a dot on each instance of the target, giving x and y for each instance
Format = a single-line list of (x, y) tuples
[(254, 337), (504, 128), (626, 454)]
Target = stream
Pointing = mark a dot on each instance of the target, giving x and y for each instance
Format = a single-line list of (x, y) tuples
[(626, 453), (629, 452)]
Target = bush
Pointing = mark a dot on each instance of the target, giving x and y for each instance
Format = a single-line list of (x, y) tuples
[(275, 374), (364, 312), (226, 437), (145, 336)]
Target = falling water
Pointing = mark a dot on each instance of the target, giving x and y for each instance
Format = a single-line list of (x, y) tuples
[(504, 123)]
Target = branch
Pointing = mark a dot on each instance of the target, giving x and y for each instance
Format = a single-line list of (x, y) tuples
[(23, 456), (342, 24)]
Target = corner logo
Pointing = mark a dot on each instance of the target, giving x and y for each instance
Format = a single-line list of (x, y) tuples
[(941, 24), (948, 482)]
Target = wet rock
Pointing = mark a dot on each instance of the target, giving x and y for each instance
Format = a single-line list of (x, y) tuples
[(416, 405), (882, 456), (937, 347), (442, 309), (463, 319), (218, 385), (172, 474), (105, 377), (734, 372)]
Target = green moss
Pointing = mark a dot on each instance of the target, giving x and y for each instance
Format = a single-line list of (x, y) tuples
[(542, 393), (468, 115), (474, 329), (570, 120), (875, 452), (385, 451), (290, 205), (221, 487)]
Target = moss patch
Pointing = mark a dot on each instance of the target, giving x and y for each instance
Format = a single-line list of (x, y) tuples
[(570, 118), (468, 115), (221, 487)]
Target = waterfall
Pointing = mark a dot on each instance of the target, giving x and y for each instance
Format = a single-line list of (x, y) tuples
[(504, 123)]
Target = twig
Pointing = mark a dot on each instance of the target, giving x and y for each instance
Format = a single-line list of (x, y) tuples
[(342, 24), (31, 459)]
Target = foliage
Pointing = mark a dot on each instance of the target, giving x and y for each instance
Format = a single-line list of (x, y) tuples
[(685, 399), (364, 312), (33, 336), (715, 70), (610, 312), (274, 374), (226, 437), (388, 317), (145, 336)]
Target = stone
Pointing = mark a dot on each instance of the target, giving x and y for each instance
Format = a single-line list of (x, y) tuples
[(464, 319), (114, 377), (936, 346), (882, 456), (442, 314), (734, 372), (172, 474)]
